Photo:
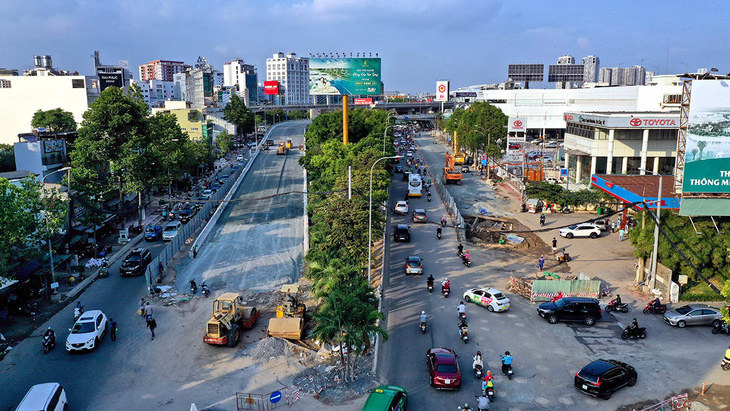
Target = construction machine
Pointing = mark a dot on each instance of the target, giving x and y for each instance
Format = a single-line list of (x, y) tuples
[(289, 144), (290, 304), (451, 175), (229, 316), (282, 150)]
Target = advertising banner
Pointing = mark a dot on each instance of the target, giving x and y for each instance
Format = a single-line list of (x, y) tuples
[(363, 101), (108, 80), (460, 94), (624, 121), (345, 76), (516, 125), (271, 88), (707, 156), (442, 90)]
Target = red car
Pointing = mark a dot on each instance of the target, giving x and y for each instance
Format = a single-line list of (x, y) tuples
[(443, 366), (515, 146)]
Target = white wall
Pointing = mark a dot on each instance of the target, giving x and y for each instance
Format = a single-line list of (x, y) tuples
[(28, 94), (28, 157)]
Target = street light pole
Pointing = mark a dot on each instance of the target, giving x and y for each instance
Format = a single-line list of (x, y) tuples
[(370, 216), (385, 134), (50, 238), (654, 256)]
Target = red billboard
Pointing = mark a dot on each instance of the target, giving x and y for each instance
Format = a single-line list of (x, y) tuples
[(271, 88), (363, 101)]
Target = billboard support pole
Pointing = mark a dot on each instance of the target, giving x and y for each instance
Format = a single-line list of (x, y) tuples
[(654, 256), (345, 136)]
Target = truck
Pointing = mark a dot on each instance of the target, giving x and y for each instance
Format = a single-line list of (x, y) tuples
[(153, 232), (228, 318), (282, 149), (451, 175)]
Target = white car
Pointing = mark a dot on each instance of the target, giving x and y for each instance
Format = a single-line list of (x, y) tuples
[(552, 180), (88, 330), (580, 230), (401, 207), (207, 193), (551, 144), (239, 157), (488, 297)]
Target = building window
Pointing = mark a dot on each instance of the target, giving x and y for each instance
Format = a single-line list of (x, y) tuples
[(5, 84), (77, 83), (629, 134), (663, 134)]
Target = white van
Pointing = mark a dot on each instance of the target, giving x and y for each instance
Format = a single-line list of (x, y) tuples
[(170, 230), (44, 397)]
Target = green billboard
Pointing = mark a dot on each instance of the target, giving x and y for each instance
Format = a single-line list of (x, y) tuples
[(344, 76), (707, 155)]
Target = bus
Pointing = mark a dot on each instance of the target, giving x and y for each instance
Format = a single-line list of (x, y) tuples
[(415, 185)]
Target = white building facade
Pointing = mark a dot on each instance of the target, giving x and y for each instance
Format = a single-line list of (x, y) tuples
[(292, 73)]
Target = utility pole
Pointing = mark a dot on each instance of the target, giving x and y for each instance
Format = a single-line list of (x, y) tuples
[(345, 134)]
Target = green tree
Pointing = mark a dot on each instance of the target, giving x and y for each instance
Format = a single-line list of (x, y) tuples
[(701, 145), (7, 158), (56, 120), (478, 126), (237, 113), (224, 142)]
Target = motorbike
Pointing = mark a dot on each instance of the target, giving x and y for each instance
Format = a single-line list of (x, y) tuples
[(428, 196), (465, 261), (721, 328), (725, 365), (423, 327), (489, 391), (542, 220), (438, 234), (77, 313), (612, 306), (563, 258), (464, 333), (429, 285), (204, 290), (478, 368), (445, 291), (136, 228), (640, 333), (193, 287), (652, 309), (507, 369), (103, 271), (462, 316), (48, 343), (443, 222)]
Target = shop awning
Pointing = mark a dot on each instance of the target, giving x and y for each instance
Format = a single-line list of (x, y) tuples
[(631, 189)]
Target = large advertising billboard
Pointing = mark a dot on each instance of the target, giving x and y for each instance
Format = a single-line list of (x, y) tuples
[(271, 88), (345, 76), (707, 155), (110, 79), (442, 90)]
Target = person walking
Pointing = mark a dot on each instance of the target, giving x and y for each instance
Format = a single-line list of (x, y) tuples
[(195, 251), (621, 235), (112, 329), (141, 307), (541, 262), (152, 324), (148, 310), (555, 244)]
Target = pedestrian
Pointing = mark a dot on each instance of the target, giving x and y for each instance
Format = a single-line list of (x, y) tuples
[(541, 262), (152, 324), (195, 251), (141, 307), (555, 244), (148, 310), (621, 235), (112, 329)]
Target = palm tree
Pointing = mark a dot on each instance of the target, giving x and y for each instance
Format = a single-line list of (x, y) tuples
[(701, 145), (694, 154)]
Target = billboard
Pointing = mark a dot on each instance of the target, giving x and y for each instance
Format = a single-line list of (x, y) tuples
[(345, 76), (271, 88), (526, 72), (363, 101), (442, 91), (558, 73), (628, 120), (707, 155), (110, 79), (516, 125)]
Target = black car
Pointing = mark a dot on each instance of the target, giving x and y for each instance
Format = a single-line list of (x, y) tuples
[(586, 310), (402, 232), (602, 377), (186, 214), (136, 262)]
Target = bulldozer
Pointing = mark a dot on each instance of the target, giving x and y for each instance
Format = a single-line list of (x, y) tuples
[(289, 144), (282, 149), (290, 304), (229, 316)]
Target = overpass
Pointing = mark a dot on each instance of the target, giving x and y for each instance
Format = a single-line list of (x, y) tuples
[(402, 109)]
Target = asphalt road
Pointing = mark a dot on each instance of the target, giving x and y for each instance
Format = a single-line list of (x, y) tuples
[(261, 237), (546, 356)]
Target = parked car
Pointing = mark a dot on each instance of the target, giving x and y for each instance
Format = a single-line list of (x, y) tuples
[(202, 200), (402, 232), (488, 297), (414, 265), (552, 180), (87, 331), (580, 230), (207, 193), (386, 398), (45, 397), (419, 216), (215, 187), (443, 367), (170, 230), (401, 207), (603, 223), (551, 144), (693, 314), (136, 262), (152, 232), (239, 157), (602, 377), (586, 310), (515, 146)]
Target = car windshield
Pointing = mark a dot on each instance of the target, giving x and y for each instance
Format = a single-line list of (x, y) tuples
[(560, 303), (171, 228), (134, 258), (684, 310), (588, 376), (414, 263), (446, 368), (82, 328), (573, 227), (186, 211)]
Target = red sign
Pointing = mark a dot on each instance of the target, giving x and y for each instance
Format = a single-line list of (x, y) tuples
[(569, 117), (363, 101), (636, 122), (517, 124), (271, 88)]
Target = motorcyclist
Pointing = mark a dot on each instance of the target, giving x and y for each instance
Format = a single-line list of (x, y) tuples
[(633, 327), (438, 230), (482, 403), (463, 326), (445, 285), (488, 376), (506, 361), (467, 255), (477, 361), (429, 280), (428, 196), (443, 220), (655, 302), (461, 309), (204, 287), (616, 301), (542, 220), (193, 285), (79, 306), (460, 248), (50, 333)]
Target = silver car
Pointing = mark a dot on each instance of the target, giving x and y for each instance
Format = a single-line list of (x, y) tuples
[(693, 314)]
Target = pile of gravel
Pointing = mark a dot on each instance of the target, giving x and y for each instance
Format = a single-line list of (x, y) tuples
[(267, 348)]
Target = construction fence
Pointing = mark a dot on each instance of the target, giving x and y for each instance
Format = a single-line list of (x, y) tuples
[(545, 290)]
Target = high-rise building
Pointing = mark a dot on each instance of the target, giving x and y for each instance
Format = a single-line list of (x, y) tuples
[(243, 77), (566, 59), (160, 70), (117, 76), (199, 82), (591, 65), (156, 92), (292, 73), (623, 76)]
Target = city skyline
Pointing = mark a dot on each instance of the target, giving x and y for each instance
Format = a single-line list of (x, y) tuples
[(467, 42)]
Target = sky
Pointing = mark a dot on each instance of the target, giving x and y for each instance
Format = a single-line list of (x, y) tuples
[(420, 41)]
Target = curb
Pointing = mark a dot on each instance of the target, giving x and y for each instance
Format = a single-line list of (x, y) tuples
[(382, 291)]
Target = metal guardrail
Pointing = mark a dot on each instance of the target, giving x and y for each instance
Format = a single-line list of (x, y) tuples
[(450, 203)]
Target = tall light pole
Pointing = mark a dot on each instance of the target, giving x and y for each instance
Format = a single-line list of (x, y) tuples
[(370, 216), (50, 247), (385, 134), (654, 256)]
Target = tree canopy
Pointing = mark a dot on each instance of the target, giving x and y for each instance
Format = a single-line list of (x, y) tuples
[(56, 120), (237, 113), (7, 158), (478, 126)]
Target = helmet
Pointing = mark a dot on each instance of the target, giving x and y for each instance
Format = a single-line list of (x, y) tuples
[(479, 353), (446, 279), (50, 328), (489, 372), (461, 302), (507, 353), (423, 312)]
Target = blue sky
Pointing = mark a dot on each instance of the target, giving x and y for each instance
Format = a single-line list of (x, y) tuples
[(420, 41)]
